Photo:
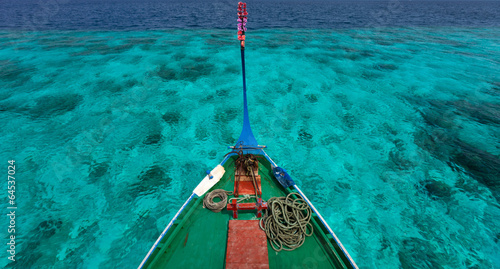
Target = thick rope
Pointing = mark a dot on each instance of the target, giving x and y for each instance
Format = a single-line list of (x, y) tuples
[(243, 198), (208, 201), (287, 222)]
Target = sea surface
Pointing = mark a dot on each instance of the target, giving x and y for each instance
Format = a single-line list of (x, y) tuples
[(386, 114)]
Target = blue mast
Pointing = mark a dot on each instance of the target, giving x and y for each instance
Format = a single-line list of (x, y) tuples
[(246, 140), (246, 136)]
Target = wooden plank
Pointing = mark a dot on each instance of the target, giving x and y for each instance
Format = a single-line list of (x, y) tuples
[(246, 246)]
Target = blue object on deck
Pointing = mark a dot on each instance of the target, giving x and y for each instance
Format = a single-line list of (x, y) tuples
[(283, 177)]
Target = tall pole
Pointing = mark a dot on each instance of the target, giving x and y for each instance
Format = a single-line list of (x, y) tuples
[(246, 137)]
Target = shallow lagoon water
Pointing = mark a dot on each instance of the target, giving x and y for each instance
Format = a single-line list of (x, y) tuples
[(393, 133)]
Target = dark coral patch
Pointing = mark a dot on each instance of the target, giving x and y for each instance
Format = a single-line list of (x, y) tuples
[(371, 74), (367, 53), (222, 92), (233, 69), (153, 139), (98, 170), (105, 49), (437, 189), (438, 118), (172, 118), (131, 83), (193, 71), (179, 56), (481, 165), (45, 230), (385, 67), (226, 115), (150, 180), (485, 113), (14, 72), (349, 120), (417, 253), (140, 40), (84, 52), (353, 56), (484, 166), (47, 106), (400, 159), (201, 132), (108, 85), (494, 90), (153, 173), (166, 73), (304, 136), (313, 98), (199, 59)]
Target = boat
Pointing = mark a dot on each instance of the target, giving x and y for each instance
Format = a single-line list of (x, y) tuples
[(247, 212)]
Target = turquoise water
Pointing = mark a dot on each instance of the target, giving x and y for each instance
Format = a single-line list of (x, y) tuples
[(393, 133)]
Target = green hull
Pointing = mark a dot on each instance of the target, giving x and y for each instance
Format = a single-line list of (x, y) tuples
[(197, 237)]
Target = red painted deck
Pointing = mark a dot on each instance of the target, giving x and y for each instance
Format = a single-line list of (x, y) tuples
[(246, 246), (246, 187)]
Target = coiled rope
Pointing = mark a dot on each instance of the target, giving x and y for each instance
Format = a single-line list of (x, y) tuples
[(287, 222), (208, 201)]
